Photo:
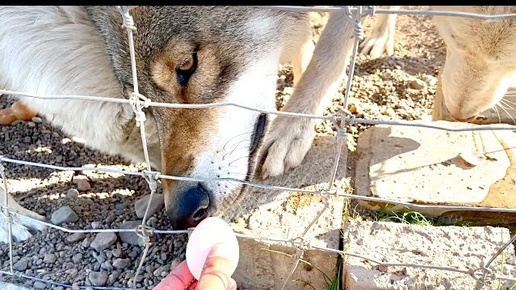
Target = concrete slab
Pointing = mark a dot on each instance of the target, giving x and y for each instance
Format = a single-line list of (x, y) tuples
[(286, 215), (463, 248), (422, 165)]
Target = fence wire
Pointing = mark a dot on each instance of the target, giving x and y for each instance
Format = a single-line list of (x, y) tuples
[(138, 102)]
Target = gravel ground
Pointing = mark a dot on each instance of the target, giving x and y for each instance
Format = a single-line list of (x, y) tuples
[(389, 88)]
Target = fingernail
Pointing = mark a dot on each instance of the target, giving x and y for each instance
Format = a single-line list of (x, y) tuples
[(222, 250)]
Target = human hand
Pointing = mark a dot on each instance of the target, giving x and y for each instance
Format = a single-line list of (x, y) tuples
[(216, 274)]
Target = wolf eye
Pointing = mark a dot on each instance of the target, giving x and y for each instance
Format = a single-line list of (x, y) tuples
[(186, 68)]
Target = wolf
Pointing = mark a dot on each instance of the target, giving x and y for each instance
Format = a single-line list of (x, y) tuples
[(184, 55), (480, 62)]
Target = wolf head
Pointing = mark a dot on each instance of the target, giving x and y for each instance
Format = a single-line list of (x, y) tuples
[(480, 60), (200, 55)]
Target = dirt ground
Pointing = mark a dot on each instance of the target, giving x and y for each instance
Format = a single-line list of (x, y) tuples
[(382, 89)]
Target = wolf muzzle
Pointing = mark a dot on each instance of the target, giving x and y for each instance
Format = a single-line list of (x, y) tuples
[(189, 206)]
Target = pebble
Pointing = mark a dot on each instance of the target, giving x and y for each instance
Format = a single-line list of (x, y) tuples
[(83, 185), (98, 278), (72, 193), (73, 273), (103, 241), (106, 265), (417, 84), (113, 277), (85, 243), (37, 120), (49, 258), (288, 90), (131, 237), (75, 237), (21, 265), (64, 214), (120, 263), (156, 204), (77, 258), (117, 252), (96, 225)]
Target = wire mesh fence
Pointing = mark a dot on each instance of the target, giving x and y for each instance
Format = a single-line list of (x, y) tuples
[(138, 102)]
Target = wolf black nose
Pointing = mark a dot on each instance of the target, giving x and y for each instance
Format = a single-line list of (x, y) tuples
[(190, 208)]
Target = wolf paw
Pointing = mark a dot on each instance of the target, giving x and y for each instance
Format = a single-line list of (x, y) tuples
[(380, 40), (286, 145)]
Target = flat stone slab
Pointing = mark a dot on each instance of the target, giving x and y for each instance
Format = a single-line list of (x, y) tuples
[(462, 248), (284, 215), (422, 165)]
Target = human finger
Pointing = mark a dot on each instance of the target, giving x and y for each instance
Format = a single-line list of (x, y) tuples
[(179, 278), (217, 271)]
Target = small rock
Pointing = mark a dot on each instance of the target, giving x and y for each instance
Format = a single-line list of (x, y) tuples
[(417, 84), (85, 243), (131, 237), (78, 140), (83, 185), (77, 258), (96, 225), (120, 263), (21, 265), (31, 124), (156, 204), (288, 90), (75, 286), (98, 278), (106, 265), (103, 241), (64, 214), (37, 120), (73, 273), (75, 237), (117, 252), (72, 193), (27, 139), (49, 258)]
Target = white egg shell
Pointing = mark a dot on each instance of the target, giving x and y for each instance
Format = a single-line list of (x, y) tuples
[(210, 231)]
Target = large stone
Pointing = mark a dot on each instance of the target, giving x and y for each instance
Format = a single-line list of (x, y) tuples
[(103, 241), (423, 165), (63, 215), (98, 278), (131, 237), (283, 215), (21, 265), (156, 204), (452, 247)]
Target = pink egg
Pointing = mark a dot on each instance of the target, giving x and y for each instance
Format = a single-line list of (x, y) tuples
[(211, 231)]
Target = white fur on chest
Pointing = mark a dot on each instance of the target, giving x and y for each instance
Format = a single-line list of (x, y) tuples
[(58, 51)]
